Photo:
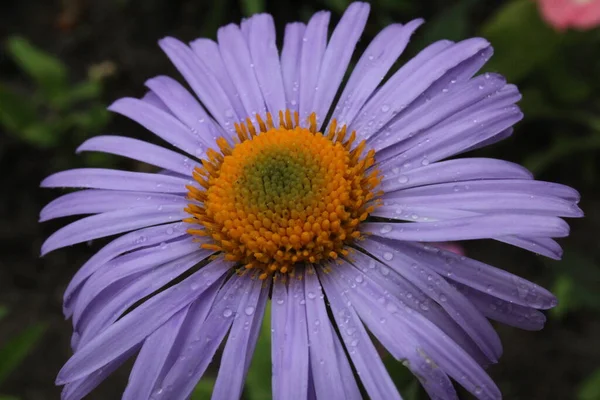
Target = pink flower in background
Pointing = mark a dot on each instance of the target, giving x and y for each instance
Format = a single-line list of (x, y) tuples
[(562, 14), (451, 246)]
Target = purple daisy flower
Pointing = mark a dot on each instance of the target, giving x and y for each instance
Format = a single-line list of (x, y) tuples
[(274, 191)]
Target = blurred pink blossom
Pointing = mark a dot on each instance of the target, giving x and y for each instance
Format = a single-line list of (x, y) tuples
[(563, 14), (451, 246)]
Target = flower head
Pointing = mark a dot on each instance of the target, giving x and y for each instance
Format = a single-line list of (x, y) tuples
[(562, 14), (329, 209)]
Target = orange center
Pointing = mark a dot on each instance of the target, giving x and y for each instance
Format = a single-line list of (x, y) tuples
[(284, 195)]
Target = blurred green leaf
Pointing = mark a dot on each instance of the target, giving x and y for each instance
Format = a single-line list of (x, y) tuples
[(16, 111), (17, 348), (562, 147), (3, 312), (258, 381), (564, 290), (203, 389), (8, 398), (40, 134), (252, 6), (452, 23), (590, 389), (49, 73), (337, 5), (402, 377), (522, 41), (564, 84)]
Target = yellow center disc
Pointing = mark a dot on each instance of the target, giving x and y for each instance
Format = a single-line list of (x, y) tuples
[(284, 195)]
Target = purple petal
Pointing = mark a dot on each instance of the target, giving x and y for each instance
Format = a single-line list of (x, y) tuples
[(99, 201), (504, 311), (463, 169), (366, 360), (543, 246), (108, 306), (479, 276), (289, 341), (180, 380), (111, 223), (98, 178), (151, 98), (323, 360), (468, 228), (126, 243), (241, 343), (151, 358), (263, 49), (372, 67), (290, 63), (141, 151), (239, 65), (429, 282), (134, 327), (337, 56), (314, 43), (203, 82), (162, 124)]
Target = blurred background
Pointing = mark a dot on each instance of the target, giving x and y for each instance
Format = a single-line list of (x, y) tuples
[(63, 62)]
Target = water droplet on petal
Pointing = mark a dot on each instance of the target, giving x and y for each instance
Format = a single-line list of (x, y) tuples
[(227, 313), (387, 256), (249, 310)]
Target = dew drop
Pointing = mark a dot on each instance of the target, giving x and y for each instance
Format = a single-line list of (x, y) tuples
[(385, 108), (403, 179), (227, 313), (249, 310), (311, 295), (388, 256), (386, 228), (279, 301), (359, 278)]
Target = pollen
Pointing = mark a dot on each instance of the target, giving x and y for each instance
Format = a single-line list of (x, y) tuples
[(283, 195)]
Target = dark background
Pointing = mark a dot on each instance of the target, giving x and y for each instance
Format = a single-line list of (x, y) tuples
[(110, 45)]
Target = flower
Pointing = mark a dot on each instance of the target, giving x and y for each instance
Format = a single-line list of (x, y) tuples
[(267, 197), (562, 14)]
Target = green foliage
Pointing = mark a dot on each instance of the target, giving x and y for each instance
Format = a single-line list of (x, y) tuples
[(522, 41), (253, 6), (590, 389), (53, 108), (258, 381), (14, 351), (203, 389)]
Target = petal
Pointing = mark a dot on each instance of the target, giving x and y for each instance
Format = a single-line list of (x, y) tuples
[(323, 359), (241, 343), (290, 63), (107, 307), (161, 123), (337, 56), (263, 49), (123, 244), (140, 151), (134, 327), (99, 201), (480, 276), (111, 223), (373, 65), (366, 360), (429, 282), (151, 358), (239, 65), (203, 82), (463, 169), (468, 228), (98, 178), (186, 371), (314, 43), (289, 341)]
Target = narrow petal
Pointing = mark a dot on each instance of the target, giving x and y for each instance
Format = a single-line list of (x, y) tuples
[(263, 49), (323, 359), (480, 276), (314, 44), (290, 63), (151, 98), (107, 307), (373, 65), (337, 56), (98, 178), (141, 238), (239, 65), (151, 358), (180, 380), (230, 380), (454, 303), (140, 151), (289, 341), (99, 201), (162, 124), (468, 228), (368, 364), (111, 223), (134, 327), (203, 82)]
